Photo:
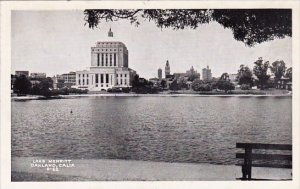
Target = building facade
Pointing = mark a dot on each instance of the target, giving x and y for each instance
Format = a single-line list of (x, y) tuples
[(206, 74), (69, 79), (37, 75), (109, 68), (19, 73)]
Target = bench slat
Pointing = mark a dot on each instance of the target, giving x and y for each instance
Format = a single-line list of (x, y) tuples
[(264, 146), (268, 165), (266, 156)]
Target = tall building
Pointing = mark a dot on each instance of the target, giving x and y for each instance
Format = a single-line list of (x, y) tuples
[(206, 73), (167, 69), (109, 67), (159, 73)]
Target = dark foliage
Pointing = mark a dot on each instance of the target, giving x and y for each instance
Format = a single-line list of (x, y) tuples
[(22, 85), (199, 85), (245, 77), (174, 86), (143, 86), (225, 85), (251, 26), (260, 70)]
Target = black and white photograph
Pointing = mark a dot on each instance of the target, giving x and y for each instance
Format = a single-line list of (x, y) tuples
[(152, 94)]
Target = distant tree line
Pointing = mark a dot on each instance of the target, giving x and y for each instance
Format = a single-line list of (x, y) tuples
[(262, 79), (44, 87)]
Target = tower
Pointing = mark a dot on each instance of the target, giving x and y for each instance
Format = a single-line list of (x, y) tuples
[(159, 73), (110, 33), (167, 69), (206, 73)]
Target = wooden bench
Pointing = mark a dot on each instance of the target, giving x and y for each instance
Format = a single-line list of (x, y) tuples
[(263, 159)]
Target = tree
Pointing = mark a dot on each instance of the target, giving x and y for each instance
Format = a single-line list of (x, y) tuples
[(22, 85), (45, 85), (225, 85), (199, 85), (182, 83), (163, 83), (245, 76), (278, 68), (174, 86), (260, 70), (251, 26), (289, 73)]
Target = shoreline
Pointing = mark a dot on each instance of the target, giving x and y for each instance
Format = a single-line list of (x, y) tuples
[(33, 97)]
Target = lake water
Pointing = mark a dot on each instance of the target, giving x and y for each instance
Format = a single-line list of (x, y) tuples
[(171, 129)]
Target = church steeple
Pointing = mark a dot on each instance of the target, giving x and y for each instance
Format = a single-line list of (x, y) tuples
[(110, 33)]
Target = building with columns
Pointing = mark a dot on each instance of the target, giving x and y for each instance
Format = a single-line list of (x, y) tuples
[(109, 67)]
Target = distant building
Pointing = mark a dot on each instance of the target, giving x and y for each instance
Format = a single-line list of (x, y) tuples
[(159, 74), (69, 79), (37, 75), (34, 82), (190, 74), (155, 81), (206, 74), (233, 77), (58, 82), (167, 69), (19, 73)]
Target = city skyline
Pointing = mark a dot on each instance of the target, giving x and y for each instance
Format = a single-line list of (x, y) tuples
[(67, 47)]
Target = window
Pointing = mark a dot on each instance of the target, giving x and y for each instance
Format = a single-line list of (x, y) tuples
[(83, 82), (125, 75), (107, 78), (110, 60), (121, 81), (106, 59), (120, 75), (87, 81), (125, 82), (98, 59), (115, 59), (101, 78), (79, 82), (102, 59), (96, 79)]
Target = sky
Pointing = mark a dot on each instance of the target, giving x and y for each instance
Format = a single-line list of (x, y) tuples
[(56, 42)]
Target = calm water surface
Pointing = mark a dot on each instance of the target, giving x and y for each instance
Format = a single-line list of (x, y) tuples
[(172, 129)]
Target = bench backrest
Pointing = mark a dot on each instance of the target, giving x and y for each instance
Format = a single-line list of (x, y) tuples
[(285, 160)]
